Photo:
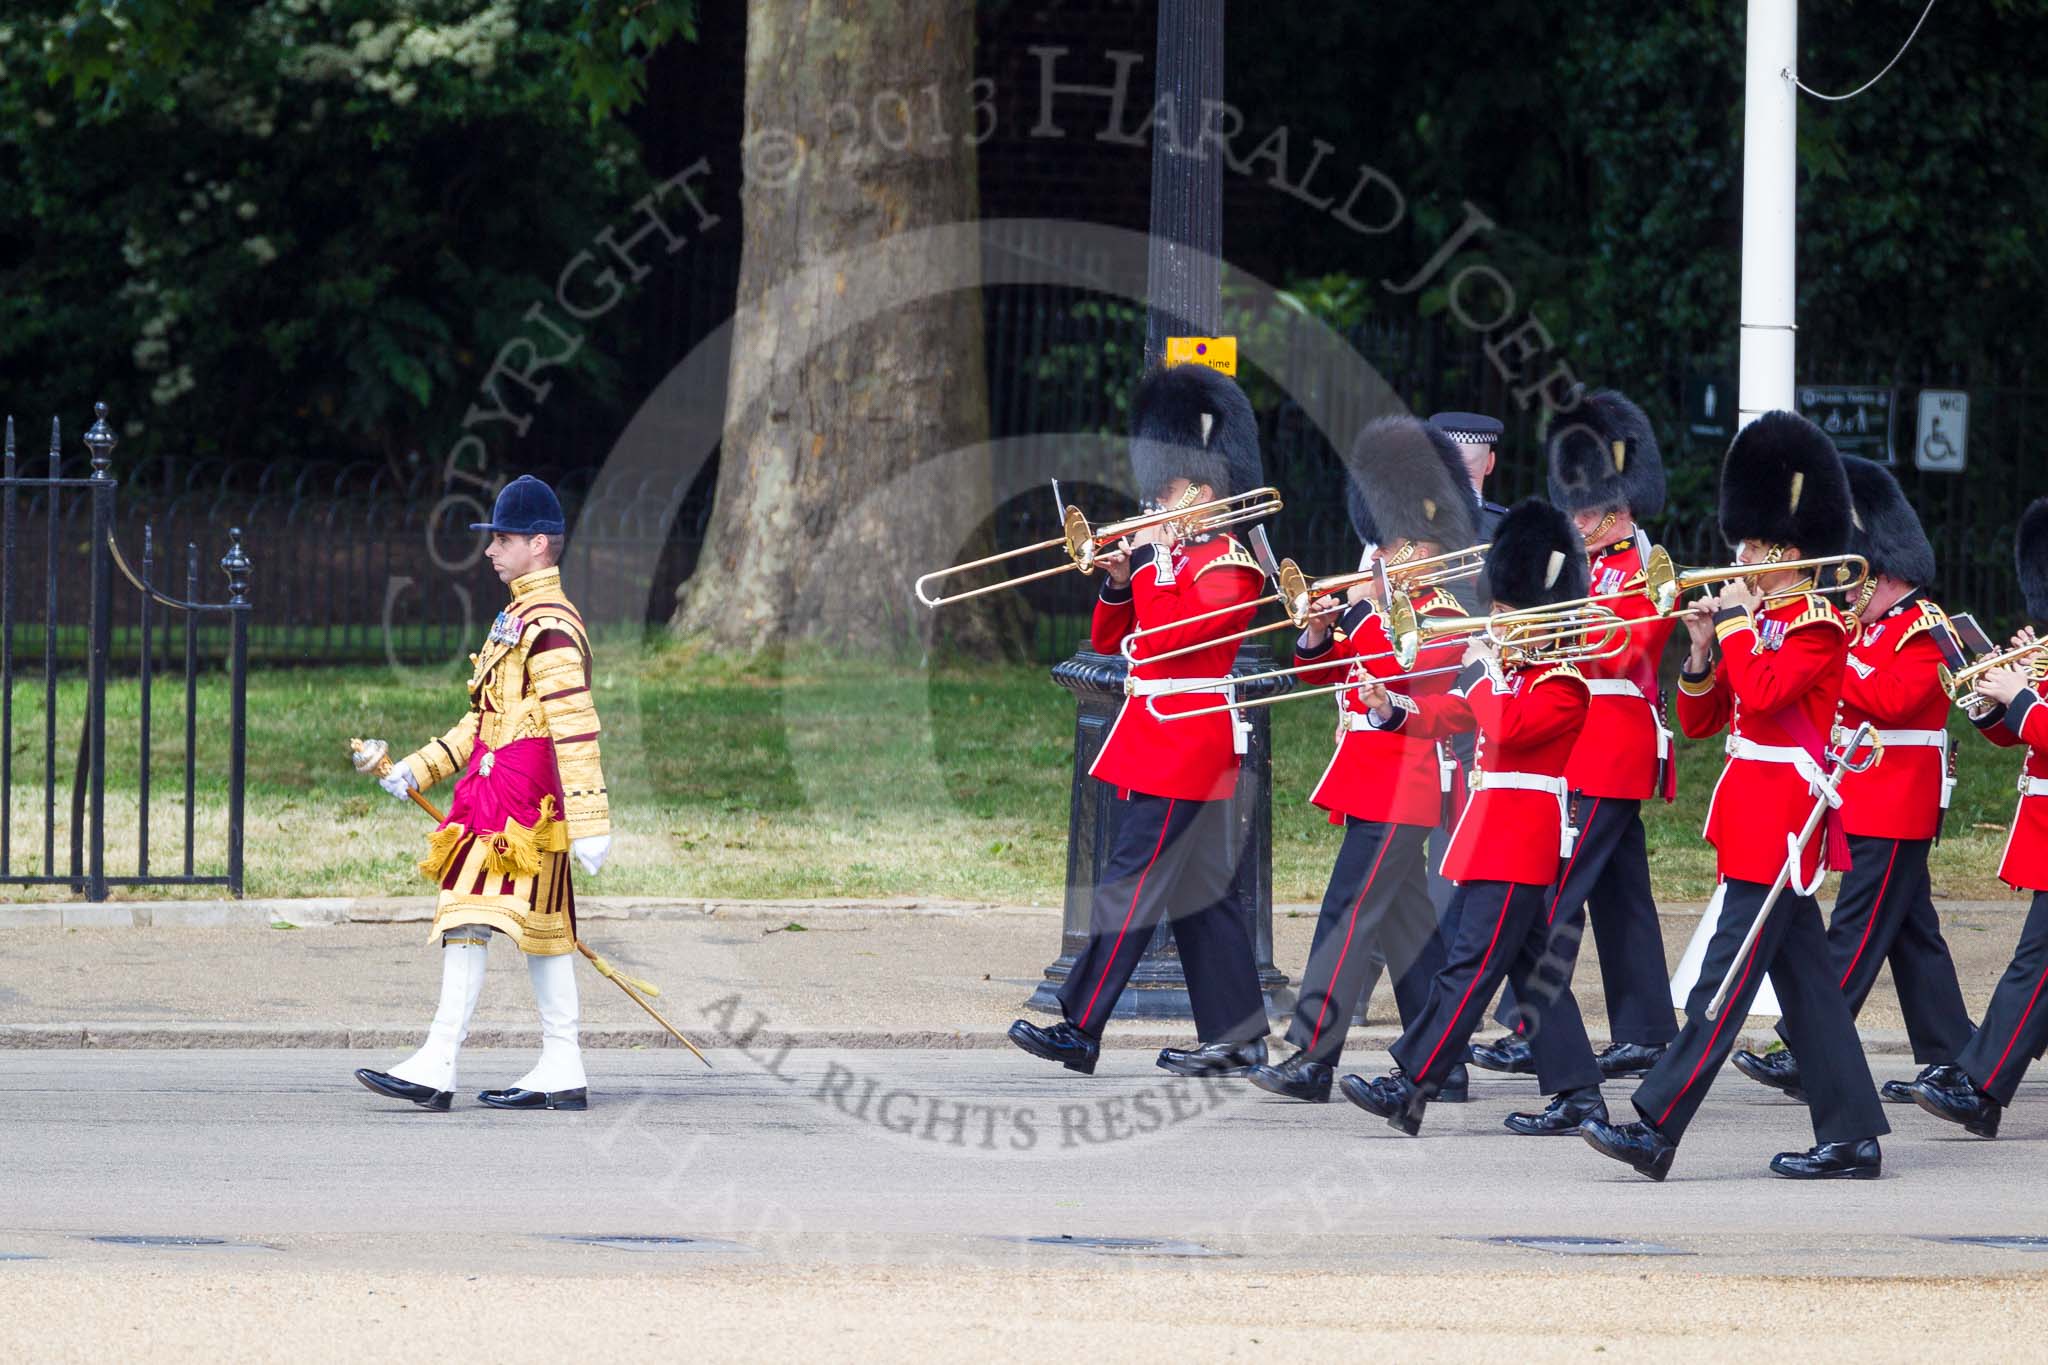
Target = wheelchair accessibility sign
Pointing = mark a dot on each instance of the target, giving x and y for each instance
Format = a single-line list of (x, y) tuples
[(1944, 430)]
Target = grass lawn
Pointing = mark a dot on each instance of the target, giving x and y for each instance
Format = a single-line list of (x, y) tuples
[(811, 779)]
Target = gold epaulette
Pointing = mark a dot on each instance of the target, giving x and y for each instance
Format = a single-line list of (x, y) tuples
[(1234, 558), (1930, 617), (1559, 671), (1818, 608), (1442, 604)]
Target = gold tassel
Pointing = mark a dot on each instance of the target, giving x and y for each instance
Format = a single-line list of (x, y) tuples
[(605, 968), (440, 852)]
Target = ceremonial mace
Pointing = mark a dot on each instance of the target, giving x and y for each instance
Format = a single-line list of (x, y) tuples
[(373, 756)]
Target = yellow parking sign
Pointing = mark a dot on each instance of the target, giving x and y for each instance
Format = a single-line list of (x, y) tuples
[(1218, 353)]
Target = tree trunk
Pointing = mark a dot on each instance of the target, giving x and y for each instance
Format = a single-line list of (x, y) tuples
[(830, 500)]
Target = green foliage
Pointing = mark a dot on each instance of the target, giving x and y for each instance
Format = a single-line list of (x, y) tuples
[(303, 227)]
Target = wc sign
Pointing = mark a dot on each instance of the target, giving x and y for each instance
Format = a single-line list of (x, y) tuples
[(1944, 430)]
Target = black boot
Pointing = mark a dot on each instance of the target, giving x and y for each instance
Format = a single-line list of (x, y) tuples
[(425, 1096), (1214, 1059), (1628, 1059), (1859, 1160), (1961, 1102), (1062, 1043), (1639, 1144), (1565, 1114), (1297, 1078), (1457, 1086), (1779, 1070), (515, 1098), (1510, 1053), (1394, 1098), (1943, 1074)]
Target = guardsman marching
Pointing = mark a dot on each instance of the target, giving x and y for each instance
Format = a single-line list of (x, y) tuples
[(1776, 685), (1173, 847), (1477, 438), (529, 795), (1884, 909), (1606, 473), (1387, 789), (2008, 710), (1514, 830)]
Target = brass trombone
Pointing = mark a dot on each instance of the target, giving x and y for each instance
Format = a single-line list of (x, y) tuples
[(1573, 633), (1297, 595), (1963, 681), (1666, 582), (1084, 544)]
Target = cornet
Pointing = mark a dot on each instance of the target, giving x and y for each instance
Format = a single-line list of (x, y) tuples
[(1961, 683), (1084, 544)]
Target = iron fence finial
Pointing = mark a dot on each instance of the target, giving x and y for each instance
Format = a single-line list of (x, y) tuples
[(236, 565), (100, 440)]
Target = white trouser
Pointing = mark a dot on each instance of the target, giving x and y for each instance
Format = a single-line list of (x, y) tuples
[(561, 1061), (464, 955)]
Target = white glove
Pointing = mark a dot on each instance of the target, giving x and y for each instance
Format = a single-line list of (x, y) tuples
[(590, 851), (398, 781)]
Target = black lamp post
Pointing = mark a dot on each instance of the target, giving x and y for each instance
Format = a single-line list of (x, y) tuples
[(1185, 299)]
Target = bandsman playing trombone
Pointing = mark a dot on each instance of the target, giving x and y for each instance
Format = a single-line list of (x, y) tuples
[(1387, 789), (1884, 908), (1766, 662), (2006, 695), (1173, 846), (1605, 472), (1528, 706)]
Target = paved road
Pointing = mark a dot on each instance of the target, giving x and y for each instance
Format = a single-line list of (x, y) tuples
[(920, 1157)]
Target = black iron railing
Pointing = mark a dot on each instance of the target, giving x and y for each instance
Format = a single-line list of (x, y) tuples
[(78, 626)]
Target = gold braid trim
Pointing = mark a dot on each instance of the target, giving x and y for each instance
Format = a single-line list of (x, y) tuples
[(1559, 671), (445, 757), (1233, 558), (1818, 609), (1930, 617)]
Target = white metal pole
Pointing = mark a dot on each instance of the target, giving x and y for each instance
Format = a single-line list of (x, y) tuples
[(1770, 115)]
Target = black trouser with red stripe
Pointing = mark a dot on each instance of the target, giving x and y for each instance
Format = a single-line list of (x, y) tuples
[(1502, 933), (1793, 950), (1376, 899), (2015, 1026), (1170, 859), (1884, 912), (1608, 876)]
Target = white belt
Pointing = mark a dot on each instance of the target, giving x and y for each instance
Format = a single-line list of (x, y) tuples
[(1816, 780), (1913, 739), (1483, 780), (1354, 720), (2033, 786), (1240, 728), (1622, 687)]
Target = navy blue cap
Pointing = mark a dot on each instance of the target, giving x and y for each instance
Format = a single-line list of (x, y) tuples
[(525, 507), (1469, 428)]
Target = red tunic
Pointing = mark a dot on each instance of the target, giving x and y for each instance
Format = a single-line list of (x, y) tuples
[(1389, 776), (1190, 760), (1619, 750), (1527, 723), (2025, 864), (1894, 682), (1779, 684)]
